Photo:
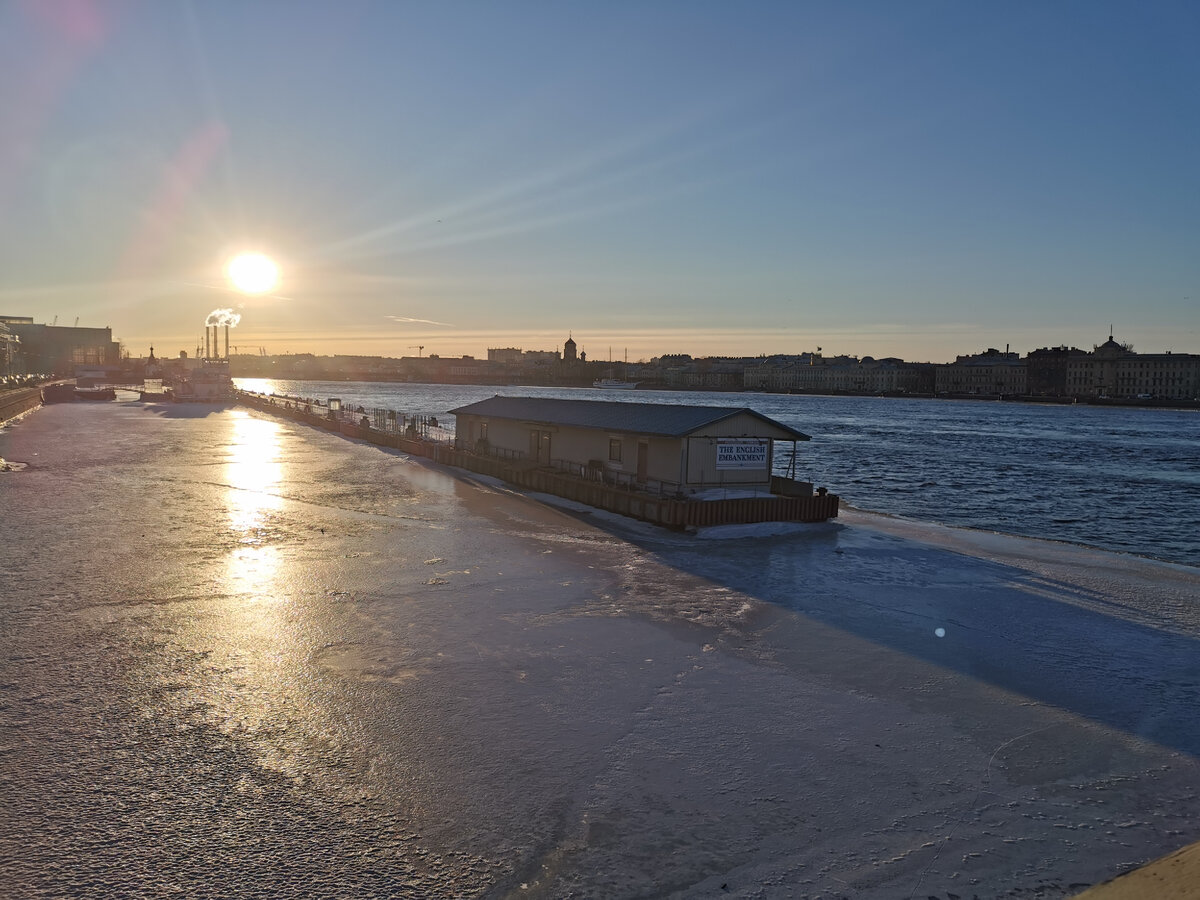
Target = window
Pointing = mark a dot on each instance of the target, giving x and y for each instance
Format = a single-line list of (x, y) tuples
[(614, 450)]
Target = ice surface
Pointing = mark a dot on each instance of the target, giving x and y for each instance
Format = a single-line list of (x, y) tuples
[(247, 658)]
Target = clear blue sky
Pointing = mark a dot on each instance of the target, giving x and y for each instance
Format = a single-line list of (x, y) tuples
[(917, 179)]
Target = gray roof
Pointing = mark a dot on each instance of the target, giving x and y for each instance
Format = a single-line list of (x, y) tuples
[(666, 419)]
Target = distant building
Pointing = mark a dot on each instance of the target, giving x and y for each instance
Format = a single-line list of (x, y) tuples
[(465, 370), (1047, 370), (1112, 370), (712, 375), (9, 347), (504, 356), (61, 349), (569, 350), (988, 374), (812, 373), (672, 359)]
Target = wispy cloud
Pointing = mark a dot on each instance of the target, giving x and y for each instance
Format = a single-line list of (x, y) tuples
[(598, 182), (410, 320)]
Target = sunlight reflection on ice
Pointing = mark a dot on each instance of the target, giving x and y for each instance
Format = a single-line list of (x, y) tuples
[(250, 631), (252, 568), (253, 471)]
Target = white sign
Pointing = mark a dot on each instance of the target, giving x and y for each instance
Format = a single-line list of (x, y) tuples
[(741, 455)]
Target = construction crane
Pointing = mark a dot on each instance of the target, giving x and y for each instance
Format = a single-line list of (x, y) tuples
[(418, 348)]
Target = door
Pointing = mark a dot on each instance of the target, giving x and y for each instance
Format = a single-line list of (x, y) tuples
[(539, 447), (643, 461)]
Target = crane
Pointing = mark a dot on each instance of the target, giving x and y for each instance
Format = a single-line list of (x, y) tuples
[(418, 348)]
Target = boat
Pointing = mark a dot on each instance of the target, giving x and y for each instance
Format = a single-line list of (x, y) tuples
[(615, 384), (61, 392), (208, 383), (153, 390)]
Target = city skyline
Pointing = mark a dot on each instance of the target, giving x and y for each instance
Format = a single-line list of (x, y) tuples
[(598, 349), (922, 181)]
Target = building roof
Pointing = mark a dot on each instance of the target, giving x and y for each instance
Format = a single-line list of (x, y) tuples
[(666, 419)]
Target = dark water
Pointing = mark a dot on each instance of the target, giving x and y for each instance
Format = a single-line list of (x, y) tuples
[(1123, 479)]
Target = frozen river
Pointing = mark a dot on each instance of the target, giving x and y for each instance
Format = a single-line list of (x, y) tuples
[(1116, 478), (242, 657)]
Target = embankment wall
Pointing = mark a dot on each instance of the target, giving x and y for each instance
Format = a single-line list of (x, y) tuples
[(13, 403)]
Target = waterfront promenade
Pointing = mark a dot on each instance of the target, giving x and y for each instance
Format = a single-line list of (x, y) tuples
[(245, 657)]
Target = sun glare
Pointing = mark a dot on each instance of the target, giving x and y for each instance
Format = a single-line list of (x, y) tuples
[(253, 273)]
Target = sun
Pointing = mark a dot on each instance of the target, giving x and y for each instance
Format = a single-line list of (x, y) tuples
[(253, 273)]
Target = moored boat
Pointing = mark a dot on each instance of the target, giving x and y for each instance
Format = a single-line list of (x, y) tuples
[(62, 392), (207, 384), (615, 384)]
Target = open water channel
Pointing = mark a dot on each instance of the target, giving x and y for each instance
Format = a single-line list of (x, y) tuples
[(1118, 478)]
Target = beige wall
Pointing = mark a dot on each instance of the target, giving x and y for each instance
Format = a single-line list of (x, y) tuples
[(701, 456), (692, 461)]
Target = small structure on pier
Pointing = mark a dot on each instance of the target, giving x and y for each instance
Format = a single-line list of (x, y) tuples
[(688, 449), (656, 462)]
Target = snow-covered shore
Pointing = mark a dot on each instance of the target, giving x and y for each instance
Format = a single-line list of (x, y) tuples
[(249, 656)]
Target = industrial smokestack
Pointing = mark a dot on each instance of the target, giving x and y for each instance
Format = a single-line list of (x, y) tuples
[(227, 340), (206, 340)]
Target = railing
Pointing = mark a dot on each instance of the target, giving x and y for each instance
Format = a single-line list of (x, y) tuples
[(374, 419), (483, 448), (596, 471)]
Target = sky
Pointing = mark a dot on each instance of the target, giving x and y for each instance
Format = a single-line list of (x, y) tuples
[(917, 179)]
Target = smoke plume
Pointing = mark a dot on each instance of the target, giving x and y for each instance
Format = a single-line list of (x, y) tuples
[(223, 317)]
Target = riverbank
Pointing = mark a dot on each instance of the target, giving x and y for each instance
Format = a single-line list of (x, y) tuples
[(244, 656), (16, 402)]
